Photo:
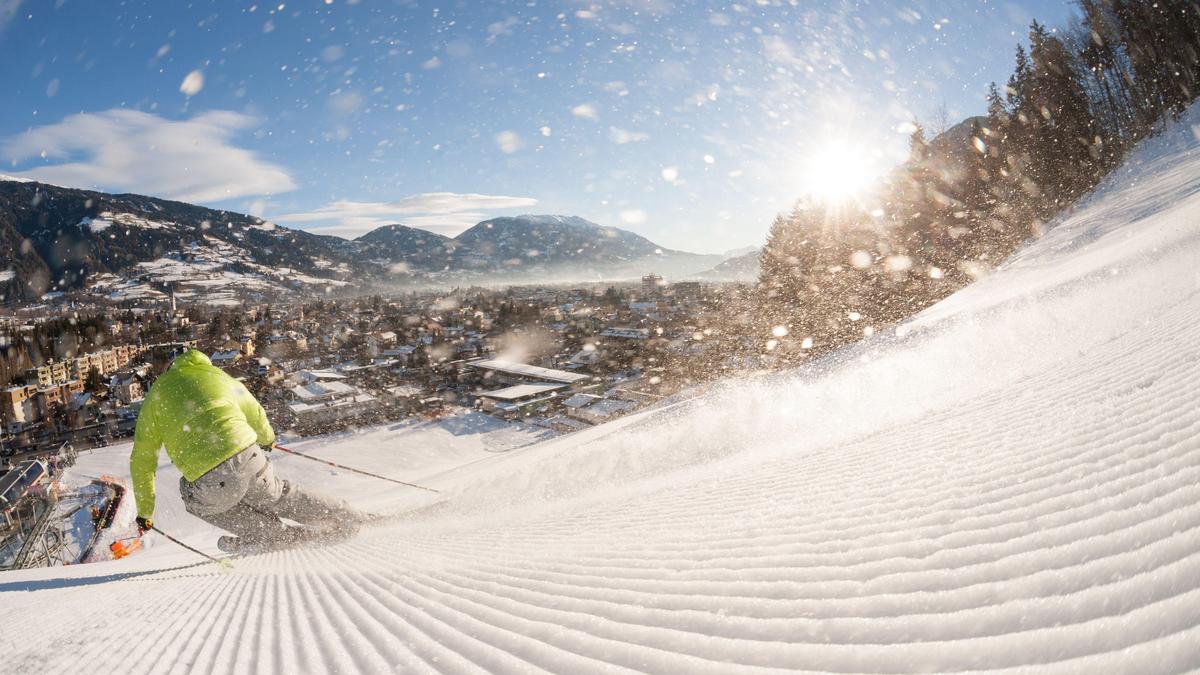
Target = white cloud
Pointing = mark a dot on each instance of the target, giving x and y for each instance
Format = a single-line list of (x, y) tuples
[(133, 151), (443, 212)]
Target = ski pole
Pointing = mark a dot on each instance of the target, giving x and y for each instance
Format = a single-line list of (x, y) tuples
[(193, 550), (347, 468)]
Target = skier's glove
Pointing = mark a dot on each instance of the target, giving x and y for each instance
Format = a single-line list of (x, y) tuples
[(268, 448), (144, 525)]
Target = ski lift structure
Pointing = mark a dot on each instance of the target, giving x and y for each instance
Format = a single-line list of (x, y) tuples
[(40, 526)]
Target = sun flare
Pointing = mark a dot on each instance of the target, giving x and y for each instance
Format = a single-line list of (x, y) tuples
[(839, 171)]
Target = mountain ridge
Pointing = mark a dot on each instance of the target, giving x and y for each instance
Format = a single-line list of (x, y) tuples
[(56, 238)]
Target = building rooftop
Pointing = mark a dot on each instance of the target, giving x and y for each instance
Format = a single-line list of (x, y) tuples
[(352, 401), (581, 400), (319, 390), (521, 391), (514, 368), (627, 333)]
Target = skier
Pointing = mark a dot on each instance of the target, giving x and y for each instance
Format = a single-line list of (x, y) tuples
[(217, 434)]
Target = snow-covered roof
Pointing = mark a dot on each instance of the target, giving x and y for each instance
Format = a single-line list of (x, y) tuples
[(514, 368), (580, 400), (626, 333), (357, 400), (318, 375), (609, 407), (402, 390), (318, 390), (521, 391), (568, 422), (585, 357)]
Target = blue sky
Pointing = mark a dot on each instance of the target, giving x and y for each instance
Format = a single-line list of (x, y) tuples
[(692, 123)]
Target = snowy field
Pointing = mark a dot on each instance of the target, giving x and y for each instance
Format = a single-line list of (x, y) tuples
[(1009, 481)]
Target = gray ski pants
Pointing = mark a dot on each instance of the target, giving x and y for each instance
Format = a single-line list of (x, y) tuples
[(244, 496)]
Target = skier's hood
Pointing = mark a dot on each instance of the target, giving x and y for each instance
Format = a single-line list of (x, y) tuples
[(192, 357)]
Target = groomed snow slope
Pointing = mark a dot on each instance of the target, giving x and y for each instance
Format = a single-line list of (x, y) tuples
[(1010, 481)]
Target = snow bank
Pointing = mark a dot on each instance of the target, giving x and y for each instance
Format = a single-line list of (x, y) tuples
[(1011, 480)]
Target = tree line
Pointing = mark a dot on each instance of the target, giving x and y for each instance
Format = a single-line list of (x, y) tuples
[(1077, 101)]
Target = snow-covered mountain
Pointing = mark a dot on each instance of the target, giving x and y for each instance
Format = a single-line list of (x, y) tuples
[(743, 267), (1010, 480), (62, 238), (403, 248), (54, 238), (556, 245)]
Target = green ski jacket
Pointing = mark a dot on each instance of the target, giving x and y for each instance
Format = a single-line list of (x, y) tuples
[(203, 417)]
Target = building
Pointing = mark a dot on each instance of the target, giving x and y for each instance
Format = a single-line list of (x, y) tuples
[(17, 409), (226, 358), (56, 372), (521, 400), (511, 372), (626, 333), (402, 355), (46, 399), (326, 390), (127, 387), (600, 410), (652, 284), (687, 291), (323, 402)]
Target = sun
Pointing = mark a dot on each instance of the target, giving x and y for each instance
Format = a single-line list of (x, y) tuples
[(839, 171)]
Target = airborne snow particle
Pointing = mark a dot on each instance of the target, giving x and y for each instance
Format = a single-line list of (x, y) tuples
[(779, 331), (633, 216), (346, 102), (545, 131), (860, 260), (585, 110), (854, 316), (709, 159), (7, 275), (331, 53), (670, 174), (622, 136), (193, 83), (52, 88), (897, 263), (936, 273), (807, 343), (509, 142)]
